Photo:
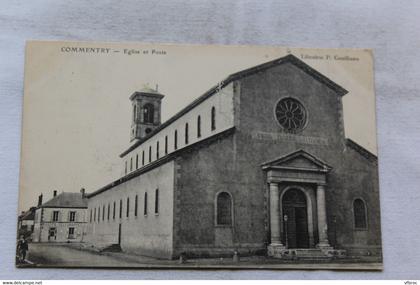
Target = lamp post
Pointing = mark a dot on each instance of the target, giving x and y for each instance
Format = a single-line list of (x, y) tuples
[(285, 230)]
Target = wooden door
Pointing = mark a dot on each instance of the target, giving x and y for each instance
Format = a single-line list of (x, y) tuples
[(295, 230)]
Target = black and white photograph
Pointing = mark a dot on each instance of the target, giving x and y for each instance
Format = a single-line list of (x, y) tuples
[(198, 156)]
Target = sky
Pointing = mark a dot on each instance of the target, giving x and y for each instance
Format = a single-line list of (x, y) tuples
[(76, 107)]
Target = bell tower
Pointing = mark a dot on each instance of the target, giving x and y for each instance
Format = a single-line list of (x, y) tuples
[(146, 111)]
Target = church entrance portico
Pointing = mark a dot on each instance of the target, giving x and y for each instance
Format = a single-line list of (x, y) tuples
[(298, 220)]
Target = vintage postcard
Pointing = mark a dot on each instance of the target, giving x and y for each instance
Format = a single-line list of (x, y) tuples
[(188, 156)]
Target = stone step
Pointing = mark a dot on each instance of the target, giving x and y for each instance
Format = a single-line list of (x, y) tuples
[(307, 252), (112, 248)]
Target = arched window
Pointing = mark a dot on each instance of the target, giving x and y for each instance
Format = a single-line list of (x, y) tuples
[(186, 133), (224, 209), (137, 161), (131, 164), (109, 210), (120, 209), (145, 204), (213, 118), (175, 140), (198, 126), (136, 205), (150, 153), (128, 206), (359, 211), (148, 113), (157, 201)]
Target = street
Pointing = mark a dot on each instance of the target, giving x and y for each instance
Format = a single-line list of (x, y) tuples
[(69, 255), (76, 255)]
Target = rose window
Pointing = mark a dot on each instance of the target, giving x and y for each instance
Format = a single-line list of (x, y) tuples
[(290, 114)]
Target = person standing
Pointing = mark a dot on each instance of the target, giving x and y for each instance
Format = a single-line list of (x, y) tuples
[(22, 248)]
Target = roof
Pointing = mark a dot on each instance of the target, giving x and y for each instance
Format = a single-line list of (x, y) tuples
[(361, 150), (163, 160), (66, 200), (28, 215), (297, 160), (238, 75), (148, 92)]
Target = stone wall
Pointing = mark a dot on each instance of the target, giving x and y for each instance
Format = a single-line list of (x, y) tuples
[(201, 174), (146, 234)]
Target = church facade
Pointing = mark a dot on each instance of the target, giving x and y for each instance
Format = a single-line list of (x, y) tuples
[(259, 164)]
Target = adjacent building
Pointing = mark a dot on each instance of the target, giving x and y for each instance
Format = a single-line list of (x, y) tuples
[(259, 164), (26, 223), (61, 219)]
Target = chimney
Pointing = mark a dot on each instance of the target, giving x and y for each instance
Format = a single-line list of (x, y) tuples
[(82, 191), (39, 200), (55, 193)]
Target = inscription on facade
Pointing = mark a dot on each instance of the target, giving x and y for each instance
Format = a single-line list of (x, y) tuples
[(289, 137)]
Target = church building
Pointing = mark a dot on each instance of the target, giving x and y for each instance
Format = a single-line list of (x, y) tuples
[(259, 164)]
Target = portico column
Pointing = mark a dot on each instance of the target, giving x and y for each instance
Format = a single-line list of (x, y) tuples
[(322, 216), (275, 218)]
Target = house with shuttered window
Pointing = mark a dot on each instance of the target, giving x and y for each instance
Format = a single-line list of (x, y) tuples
[(61, 219)]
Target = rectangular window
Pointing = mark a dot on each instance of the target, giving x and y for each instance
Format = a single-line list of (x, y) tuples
[(90, 216), (52, 234), (99, 214), (131, 164), (55, 216), (125, 167), (103, 213), (142, 158), (72, 216), (120, 209), (166, 145), (157, 150), (156, 201), (94, 215), (71, 233), (137, 161)]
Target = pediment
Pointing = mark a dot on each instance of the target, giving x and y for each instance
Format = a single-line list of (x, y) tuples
[(299, 160)]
